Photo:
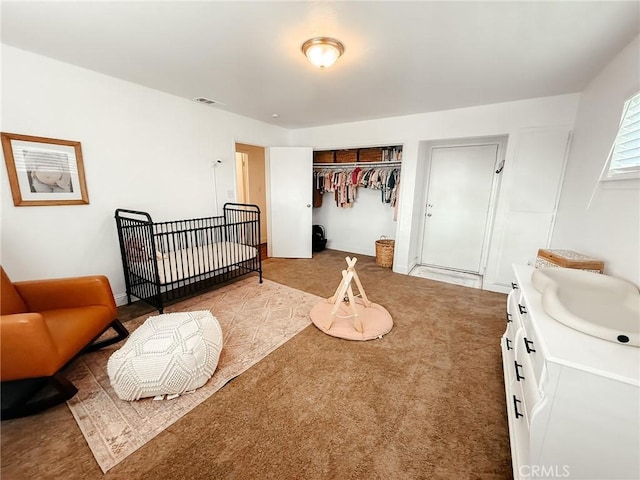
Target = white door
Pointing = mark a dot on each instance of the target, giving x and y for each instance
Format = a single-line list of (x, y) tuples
[(290, 196), (458, 198)]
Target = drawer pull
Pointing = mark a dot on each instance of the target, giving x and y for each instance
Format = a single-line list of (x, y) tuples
[(527, 343), (509, 319), (514, 286), (522, 309), (518, 366), (515, 407), (508, 342)]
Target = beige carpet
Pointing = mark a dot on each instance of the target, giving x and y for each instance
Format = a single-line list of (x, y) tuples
[(255, 319), (425, 402)]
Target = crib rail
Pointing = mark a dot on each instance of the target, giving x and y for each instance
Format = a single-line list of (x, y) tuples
[(163, 261)]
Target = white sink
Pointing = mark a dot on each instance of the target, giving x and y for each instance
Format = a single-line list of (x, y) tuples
[(596, 304)]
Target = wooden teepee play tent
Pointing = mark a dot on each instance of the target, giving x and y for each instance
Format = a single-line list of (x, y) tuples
[(348, 316)]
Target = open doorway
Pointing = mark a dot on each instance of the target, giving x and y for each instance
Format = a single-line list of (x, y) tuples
[(251, 183)]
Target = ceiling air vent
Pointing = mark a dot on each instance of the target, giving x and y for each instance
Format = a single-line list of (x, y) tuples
[(207, 101)]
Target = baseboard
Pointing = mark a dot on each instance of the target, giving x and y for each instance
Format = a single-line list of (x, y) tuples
[(401, 269), (120, 298), (454, 277), (495, 287), (404, 269)]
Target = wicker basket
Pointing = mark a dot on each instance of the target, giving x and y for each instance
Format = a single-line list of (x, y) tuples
[(346, 156), (568, 259), (384, 252)]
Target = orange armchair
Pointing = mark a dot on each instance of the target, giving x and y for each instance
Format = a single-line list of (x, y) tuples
[(44, 325)]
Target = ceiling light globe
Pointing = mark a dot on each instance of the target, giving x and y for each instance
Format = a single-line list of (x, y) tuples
[(322, 51)]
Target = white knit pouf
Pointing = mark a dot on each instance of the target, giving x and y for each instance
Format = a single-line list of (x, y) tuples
[(168, 354)]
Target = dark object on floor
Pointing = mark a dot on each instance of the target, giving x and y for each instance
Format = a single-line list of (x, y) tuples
[(319, 241), (45, 325)]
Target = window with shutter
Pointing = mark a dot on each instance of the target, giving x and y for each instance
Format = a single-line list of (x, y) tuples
[(624, 159)]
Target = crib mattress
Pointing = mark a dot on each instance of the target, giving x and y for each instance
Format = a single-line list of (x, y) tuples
[(190, 262)]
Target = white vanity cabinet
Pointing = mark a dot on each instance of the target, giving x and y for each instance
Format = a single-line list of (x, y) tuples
[(573, 400)]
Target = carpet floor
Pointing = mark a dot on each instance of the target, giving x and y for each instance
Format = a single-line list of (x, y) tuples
[(255, 320), (424, 402)]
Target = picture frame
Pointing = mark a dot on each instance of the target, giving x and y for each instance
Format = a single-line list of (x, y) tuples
[(44, 171)]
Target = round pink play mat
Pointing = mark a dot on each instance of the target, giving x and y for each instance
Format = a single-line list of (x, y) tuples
[(376, 320)]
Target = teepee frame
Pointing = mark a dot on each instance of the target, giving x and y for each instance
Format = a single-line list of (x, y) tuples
[(344, 292)]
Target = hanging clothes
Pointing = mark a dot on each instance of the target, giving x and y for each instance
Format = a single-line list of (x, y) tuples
[(344, 183), (317, 190)]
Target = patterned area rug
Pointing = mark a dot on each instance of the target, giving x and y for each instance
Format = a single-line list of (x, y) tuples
[(255, 319)]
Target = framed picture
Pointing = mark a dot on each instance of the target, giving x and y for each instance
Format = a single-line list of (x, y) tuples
[(44, 171)]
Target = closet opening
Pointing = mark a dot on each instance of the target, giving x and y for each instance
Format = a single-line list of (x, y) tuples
[(355, 195)]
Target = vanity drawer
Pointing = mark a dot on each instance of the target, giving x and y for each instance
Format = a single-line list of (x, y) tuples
[(529, 345), (508, 357), (514, 322), (519, 431), (526, 386)]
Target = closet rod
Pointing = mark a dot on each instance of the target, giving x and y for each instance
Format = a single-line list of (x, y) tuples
[(356, 164)]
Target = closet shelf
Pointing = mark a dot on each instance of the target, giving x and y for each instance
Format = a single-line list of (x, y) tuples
[(338, 166)]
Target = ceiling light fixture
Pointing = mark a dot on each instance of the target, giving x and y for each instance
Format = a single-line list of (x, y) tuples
[(322, 51)]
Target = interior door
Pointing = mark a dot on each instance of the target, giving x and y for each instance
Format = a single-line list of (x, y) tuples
[(290, 195), (458, 197)]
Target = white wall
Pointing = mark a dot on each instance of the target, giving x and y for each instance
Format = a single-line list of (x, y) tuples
[(490, 120), (608, 227), (347, 229), (147, 150), (142, 149)]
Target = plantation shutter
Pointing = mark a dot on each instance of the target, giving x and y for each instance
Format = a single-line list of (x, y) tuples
[(625, 155)]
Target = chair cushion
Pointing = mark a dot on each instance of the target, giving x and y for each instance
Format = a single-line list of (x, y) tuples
[(72, 329), (168, 354), (12, 302)]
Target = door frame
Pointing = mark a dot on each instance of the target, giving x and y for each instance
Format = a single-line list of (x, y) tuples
[(501, 141), (249, 149), (241, 176)]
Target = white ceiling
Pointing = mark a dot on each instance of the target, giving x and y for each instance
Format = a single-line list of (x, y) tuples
[(400, 58)]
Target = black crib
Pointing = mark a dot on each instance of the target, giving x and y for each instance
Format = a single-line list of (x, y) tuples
[(165, 261)]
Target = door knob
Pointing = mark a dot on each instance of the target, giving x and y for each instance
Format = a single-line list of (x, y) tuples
[(308, 205), (428, 214)]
